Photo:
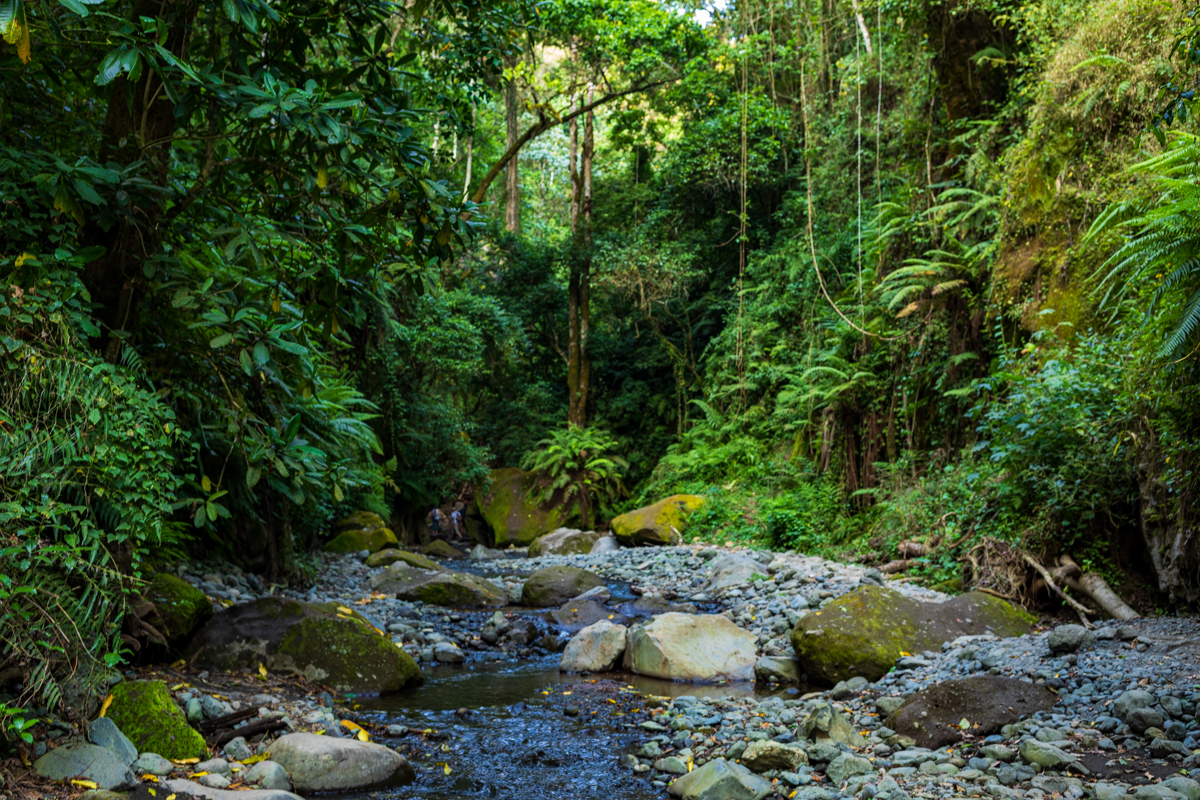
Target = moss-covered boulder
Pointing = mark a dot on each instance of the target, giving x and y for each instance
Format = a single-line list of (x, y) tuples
[(657, 524), (354, 541), (149, 717), (514, 518), (326, 643), (440, 548), (440, 588), (554, 586), (179, 607), (564, 542), (864, 632), (989, 702), (385, 558)]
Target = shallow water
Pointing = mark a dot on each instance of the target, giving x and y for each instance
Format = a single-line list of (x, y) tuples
[(516, 742)]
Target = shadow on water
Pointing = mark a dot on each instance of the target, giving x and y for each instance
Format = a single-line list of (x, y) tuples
[(516, 742)]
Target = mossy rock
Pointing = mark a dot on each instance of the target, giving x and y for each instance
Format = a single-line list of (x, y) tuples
[(353, 541), (360, 521), (989, 702), (439, 588), (656, 524), (554, 586), (327, 643), (564, 542), (866, 631), (385, 558), (149, 717), (439, 548), (179, 607), (514, 518)]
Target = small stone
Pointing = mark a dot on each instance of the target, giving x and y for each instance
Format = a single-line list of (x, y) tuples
[(1044, 754), (269, 775), (237, 749), (105, 733), (213, 780), (151, 763), (846, 766), (1142, 719), (671, 765), (1070, 638)]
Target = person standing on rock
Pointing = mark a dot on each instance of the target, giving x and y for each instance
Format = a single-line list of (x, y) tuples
[(456, 528), (435, 522)]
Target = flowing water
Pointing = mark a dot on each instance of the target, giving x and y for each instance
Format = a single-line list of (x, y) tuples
[(516, 742)]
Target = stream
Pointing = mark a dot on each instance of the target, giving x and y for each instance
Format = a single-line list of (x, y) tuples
[(516, 742)]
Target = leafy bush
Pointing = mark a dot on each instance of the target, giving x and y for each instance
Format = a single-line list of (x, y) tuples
[(577, 464)]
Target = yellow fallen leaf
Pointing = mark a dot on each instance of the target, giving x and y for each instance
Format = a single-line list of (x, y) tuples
[(255, 759), (178, 686), (104, 706), (86, 784), (262, 670), (185, 761), (320, 732), (197, 775), (177, 664), (354, 726), (152, 793), (149, 777), (363, 736), (345, 610), (172, 797), (567, 694), (446, 768)]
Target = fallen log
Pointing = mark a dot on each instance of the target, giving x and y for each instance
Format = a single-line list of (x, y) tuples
[(893, 567), (226, 721), (1049, 579), (908, 549), (1095, 588)]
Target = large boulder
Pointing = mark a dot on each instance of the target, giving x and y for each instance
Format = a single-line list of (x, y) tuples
[(88, 761), (933, 715), (564, 542), (439, 588), (720, 780), (325, 764), (361, 530), (385, 558), (147, 715), (768, 754), (658, 524), (596, 648), (327, 643), (440, 548), (514, 517), (866, 631), (691, 647), (179, 607), (552, 586), (734, 569)]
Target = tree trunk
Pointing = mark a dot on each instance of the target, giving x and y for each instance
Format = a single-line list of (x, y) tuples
[(573, 173), (579, 313), (512, 177), (138, 125), (470, 155)]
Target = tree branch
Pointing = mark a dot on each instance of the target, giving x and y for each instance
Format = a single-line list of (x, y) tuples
[(544, 124)]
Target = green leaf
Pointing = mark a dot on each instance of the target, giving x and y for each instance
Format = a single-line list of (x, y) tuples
[(220, 341)]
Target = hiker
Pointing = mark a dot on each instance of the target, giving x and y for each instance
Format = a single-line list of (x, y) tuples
[(456, 524), (435, 522)]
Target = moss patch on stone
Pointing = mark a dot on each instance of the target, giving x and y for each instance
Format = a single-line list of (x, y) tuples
[(442, 549), (656, 524), (442, 588), (350, 657), (180, 608), (145, 712), (360, 521), (866, 631), (352, 541), (344, 650), (512, 516), (385, 558)]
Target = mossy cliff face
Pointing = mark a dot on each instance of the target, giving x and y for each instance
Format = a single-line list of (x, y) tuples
[(323, 642), (656, 524), (512, 516), (439, 588), (180, 608), (145, 712), (362, 530), (866, 631)]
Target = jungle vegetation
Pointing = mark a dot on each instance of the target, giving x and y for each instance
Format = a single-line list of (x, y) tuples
[(861, 272)]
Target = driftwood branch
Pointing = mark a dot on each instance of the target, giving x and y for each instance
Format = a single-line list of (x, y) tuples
[(893, 567), (253, 729), (1046, 576), (227, 721)]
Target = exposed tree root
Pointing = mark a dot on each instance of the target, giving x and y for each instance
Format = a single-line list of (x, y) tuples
[(1094, 587)]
